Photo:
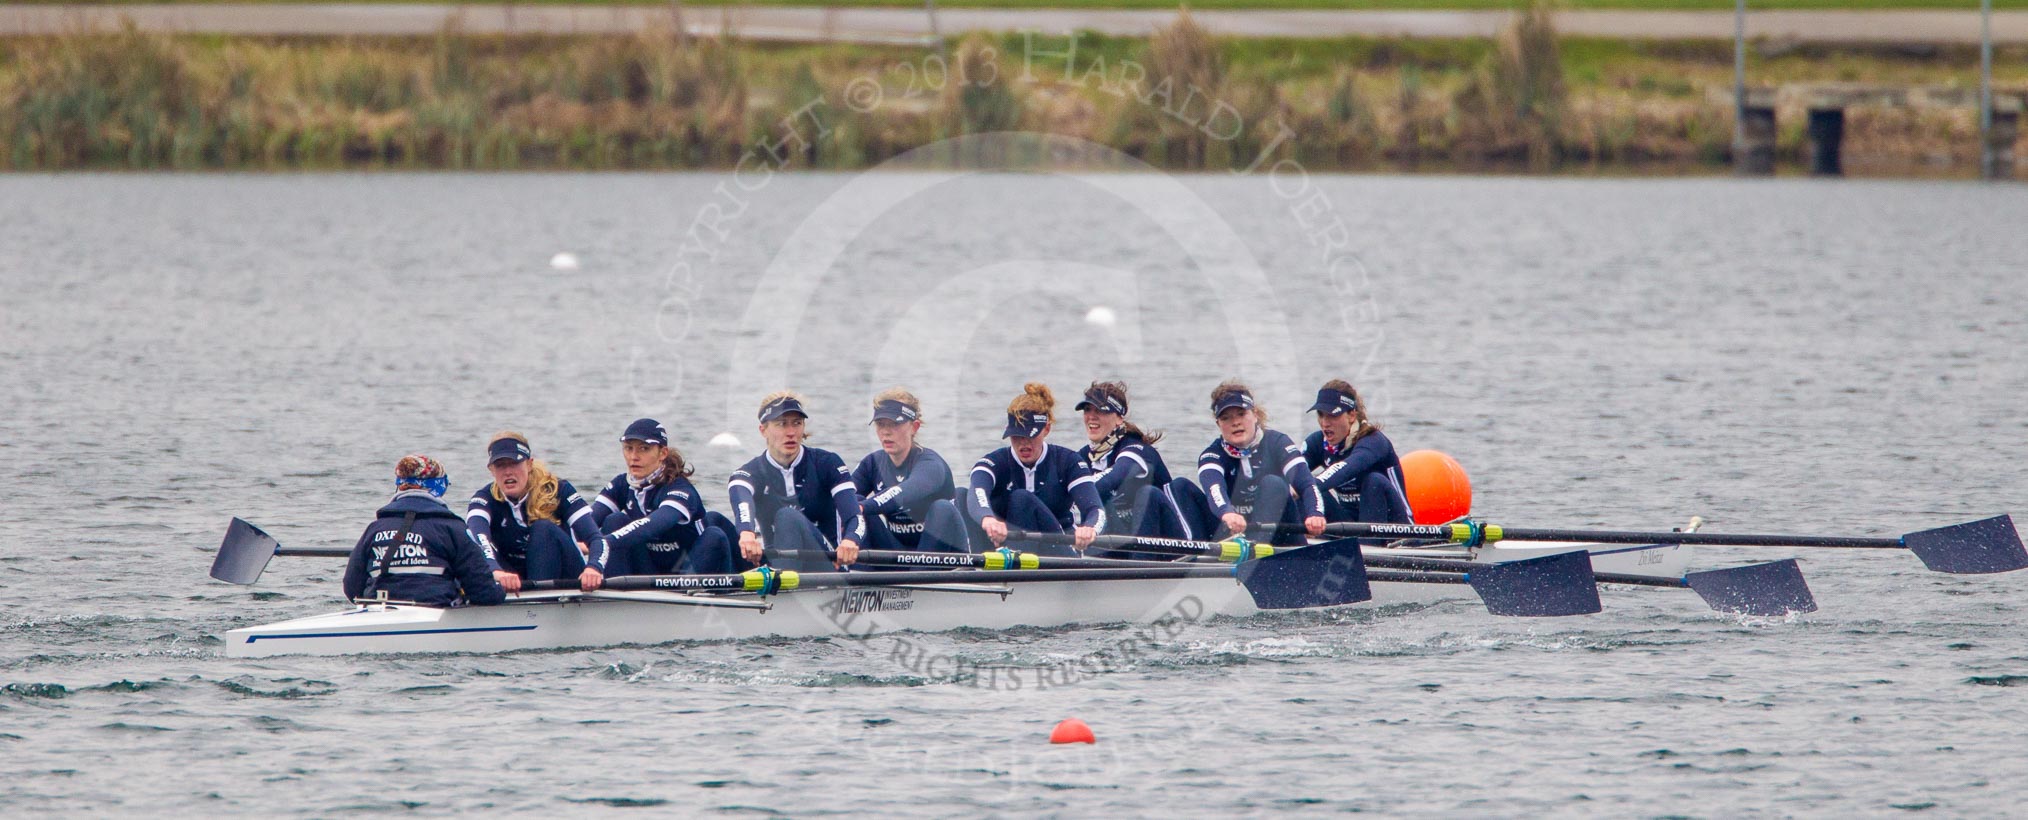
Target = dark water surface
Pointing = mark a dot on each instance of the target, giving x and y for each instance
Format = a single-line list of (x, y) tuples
[(1773, 355)]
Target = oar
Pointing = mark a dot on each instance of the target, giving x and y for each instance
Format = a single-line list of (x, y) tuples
[(245, 553), (1297, 580), (1986, 545), (1550, 585), (1775, 588), (1330, 575)]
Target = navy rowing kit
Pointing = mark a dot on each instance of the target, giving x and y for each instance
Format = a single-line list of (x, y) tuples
[(909, 506), (806, 506), (660, 526), (1126, 466), (1361, 482), (1055, 494), (1267, 482), (416, 550), (539, 550)]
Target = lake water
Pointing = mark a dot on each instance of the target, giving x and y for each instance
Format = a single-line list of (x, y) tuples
[(1774, 355)]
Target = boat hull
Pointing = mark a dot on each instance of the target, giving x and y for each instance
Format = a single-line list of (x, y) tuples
[(566, 620)]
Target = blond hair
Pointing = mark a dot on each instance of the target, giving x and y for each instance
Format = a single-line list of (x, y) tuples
[(785, 394), (902, 395), (1035, 398), (543, 495)]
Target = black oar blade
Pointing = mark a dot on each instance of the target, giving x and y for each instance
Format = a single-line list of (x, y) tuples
[(1774, 588), (1991, 545), (1552, 585), (1328, 574), (243, 555)]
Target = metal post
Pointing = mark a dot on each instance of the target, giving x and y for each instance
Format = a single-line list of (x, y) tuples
[(936, 33), (1986, 158)]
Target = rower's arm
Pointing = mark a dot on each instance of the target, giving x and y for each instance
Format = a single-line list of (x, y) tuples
[(845, 498), (355, 567), (1364, 458), (479, 523), (475, 576), (1211, 476), (585, 528), (739, 490), (1084, 497), (914, 492), (1297, 471), (660, 525), (980, 499), (1127, 466)]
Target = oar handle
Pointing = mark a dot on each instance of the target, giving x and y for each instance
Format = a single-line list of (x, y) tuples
[(1135, 543)]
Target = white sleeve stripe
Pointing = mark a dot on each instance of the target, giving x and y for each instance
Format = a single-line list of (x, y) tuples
[(983, 469), (608, 502), (1137, 459), (842, 488), (479, 512), (740, 483), (1083, 480), (581, 512)]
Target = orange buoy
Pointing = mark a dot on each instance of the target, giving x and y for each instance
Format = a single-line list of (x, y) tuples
[(1072, 730), (1437, 487)]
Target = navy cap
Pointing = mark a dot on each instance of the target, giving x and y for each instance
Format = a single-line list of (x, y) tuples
[(1101, 402), (507, 449), (1241, 399), (648, 430), (891, 410), (781, 407), (1028, 424), (1333, 403)]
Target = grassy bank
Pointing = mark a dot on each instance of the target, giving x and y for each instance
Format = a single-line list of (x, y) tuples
[(1529, 100)]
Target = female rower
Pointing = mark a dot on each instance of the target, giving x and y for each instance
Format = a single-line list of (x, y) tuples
[(655, 516), (1032, 485), (906, 490), (415, 550), (1353, 461), (794, 497), (1250, 475), (1133, 481), (521, 518)]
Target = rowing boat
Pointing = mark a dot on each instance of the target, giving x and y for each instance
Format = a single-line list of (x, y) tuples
[(572, 619)]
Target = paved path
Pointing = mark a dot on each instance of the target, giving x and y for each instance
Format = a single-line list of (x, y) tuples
[(913, 26)]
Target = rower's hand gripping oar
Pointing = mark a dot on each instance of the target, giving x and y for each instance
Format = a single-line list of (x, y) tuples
[(247, 549), (1546, 586), (1974, 547)]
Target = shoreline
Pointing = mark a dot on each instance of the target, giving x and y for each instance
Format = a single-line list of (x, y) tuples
[(1179, 101)]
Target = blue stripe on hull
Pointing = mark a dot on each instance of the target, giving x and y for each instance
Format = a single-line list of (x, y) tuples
[(252, 638), (1633, 549)]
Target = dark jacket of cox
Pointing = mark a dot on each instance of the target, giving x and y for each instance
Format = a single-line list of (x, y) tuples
[(436, 564)]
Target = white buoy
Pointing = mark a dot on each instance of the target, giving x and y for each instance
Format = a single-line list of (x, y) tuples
[(1101, 316), (725, 440), (564, 261)]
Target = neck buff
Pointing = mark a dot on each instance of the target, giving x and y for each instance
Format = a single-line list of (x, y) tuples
[(1243, 452), (1103, 448)]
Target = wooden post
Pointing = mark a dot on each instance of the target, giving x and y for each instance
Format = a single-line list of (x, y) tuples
[(1827, 134), (1753, 150), (1998, 151)]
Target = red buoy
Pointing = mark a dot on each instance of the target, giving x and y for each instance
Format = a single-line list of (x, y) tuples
[(1072, 730), (1438, 489)]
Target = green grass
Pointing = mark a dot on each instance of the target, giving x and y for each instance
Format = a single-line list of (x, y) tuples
[(1649, 5)]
